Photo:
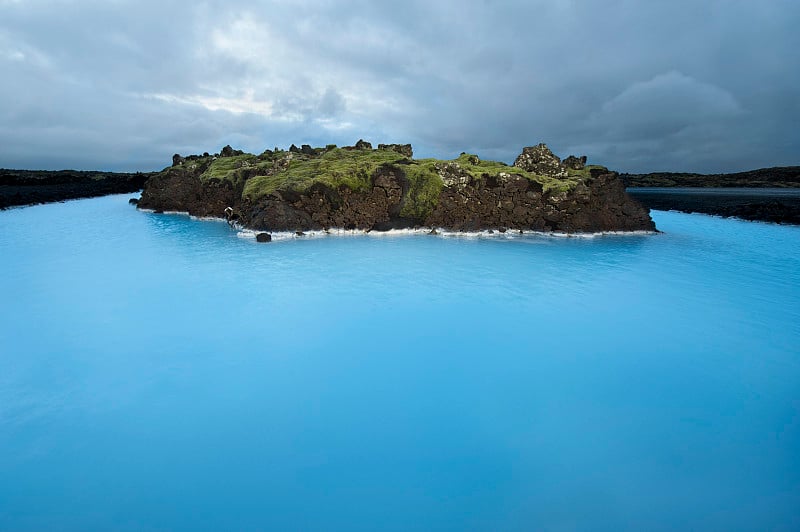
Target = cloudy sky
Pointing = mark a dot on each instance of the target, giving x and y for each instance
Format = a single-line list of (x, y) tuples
[(682, 85)]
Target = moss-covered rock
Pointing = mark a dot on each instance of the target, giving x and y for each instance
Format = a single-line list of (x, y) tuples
[(360, 187)]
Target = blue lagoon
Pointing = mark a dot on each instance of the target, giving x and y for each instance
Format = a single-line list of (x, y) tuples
[(160, 372)]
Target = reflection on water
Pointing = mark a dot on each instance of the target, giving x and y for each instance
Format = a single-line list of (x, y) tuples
[(162, 372)]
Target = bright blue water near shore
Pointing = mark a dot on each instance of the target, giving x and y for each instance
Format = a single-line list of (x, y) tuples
[(159, 372)]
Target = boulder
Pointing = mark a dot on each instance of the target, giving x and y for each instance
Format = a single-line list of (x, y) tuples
[(307, 149), (176, 159), (133, 201), (403, 149), (227, 151), (453, 175), (363, 145), (575, 163), (263, 237), (541, 161)]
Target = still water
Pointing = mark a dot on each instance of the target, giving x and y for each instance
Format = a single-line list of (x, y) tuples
[(159, 372)]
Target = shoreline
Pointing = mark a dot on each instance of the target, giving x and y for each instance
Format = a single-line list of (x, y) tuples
[(24, 188), (774, 205), (509, 234)]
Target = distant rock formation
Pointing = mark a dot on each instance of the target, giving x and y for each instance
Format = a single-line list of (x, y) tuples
[(26, 187)]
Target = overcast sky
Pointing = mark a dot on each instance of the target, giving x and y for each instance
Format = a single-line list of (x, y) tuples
[(681, 85)]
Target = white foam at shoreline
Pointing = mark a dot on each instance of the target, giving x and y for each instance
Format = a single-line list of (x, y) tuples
[(509, 234), (278, 236), (184, 213)]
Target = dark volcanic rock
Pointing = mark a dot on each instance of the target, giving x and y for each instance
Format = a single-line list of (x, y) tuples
[(27, 187), (180, 189), (540, 160), (510, 202), (404, 149), (177, 159), (745, 203), (321, 207), (468, 200), (227, 151), (363, 145), (575, 163), (514, 202), (263, 237), (779, 176)]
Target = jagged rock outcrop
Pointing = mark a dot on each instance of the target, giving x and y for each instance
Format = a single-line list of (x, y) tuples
[(322, 207), (180, 189), (514, 202), (404, 149), (363, 145), (575, 163), (540, 160), (471, 194), (227, 151)]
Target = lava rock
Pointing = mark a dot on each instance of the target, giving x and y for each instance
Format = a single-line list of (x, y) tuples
[(402, 149), (263, 237), (575, 163), (363, 145), (540, 160)]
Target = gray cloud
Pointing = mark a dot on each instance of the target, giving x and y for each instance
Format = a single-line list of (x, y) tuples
[(637, 86)]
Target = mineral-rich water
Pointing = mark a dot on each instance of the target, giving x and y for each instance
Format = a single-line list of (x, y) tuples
[(159, 372)]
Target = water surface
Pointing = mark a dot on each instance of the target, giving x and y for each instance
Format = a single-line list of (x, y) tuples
[(158, 372)]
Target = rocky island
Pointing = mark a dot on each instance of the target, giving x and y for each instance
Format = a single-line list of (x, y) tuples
[(358, 187)]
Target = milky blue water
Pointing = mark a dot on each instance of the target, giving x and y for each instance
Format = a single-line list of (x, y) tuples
[(158, 372)]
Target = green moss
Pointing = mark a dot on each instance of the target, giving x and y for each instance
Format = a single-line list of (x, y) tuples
[(226, 168), (585, 171), (425, 185), (479, 169), (354, 169), (336, 168)]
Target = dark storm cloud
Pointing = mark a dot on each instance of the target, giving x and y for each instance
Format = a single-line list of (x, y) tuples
[(681, 85)]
